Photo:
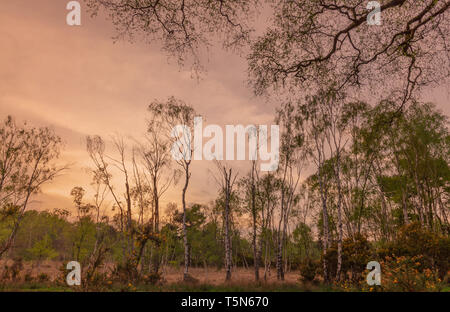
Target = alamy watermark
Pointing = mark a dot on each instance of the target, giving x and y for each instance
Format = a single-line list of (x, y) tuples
[(374, 16), (74, 276), (187, 147), (374, 276), (73, 18)]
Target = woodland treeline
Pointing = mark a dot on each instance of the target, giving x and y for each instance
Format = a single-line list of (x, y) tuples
[(379, 188)]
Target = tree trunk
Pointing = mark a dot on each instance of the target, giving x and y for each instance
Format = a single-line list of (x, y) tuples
[(227, 235), (156, 201), (280, 271), (155, 259), (185, 238), (325, 241), (405, 210), (266, 259), (255, 247), (7, 245), (339, 212)]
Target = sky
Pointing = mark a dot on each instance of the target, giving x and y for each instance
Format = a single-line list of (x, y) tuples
[(76, 80)]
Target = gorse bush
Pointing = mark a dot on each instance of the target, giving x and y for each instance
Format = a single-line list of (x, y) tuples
[(409, 274), (309, 269), (413, 241), (356, 253)]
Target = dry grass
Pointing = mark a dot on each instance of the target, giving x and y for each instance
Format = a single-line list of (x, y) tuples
[(171, 275), (217, 277), (51, 268)]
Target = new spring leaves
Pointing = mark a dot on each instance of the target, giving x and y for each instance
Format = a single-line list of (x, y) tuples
[(74, 16)]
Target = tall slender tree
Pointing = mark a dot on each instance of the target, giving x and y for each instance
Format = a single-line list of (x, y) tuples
[(177, 125)]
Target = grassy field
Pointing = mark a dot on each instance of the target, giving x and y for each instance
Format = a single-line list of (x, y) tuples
[(46, 274), (50, 276), (177, 287)]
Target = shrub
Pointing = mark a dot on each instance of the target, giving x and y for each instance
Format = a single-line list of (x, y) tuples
[(12, 272), (125, 272), (29, 277), (414, 240), (152, 278), (98, 281), (43, 278), (356, 253), (308, 269), (408, 274)]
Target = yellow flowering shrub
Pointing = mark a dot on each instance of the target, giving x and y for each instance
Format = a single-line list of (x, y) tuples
[(408, 274)]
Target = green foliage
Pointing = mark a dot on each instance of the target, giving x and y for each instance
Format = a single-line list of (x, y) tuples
[(43, 250), (44, 230), (303, 245)]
